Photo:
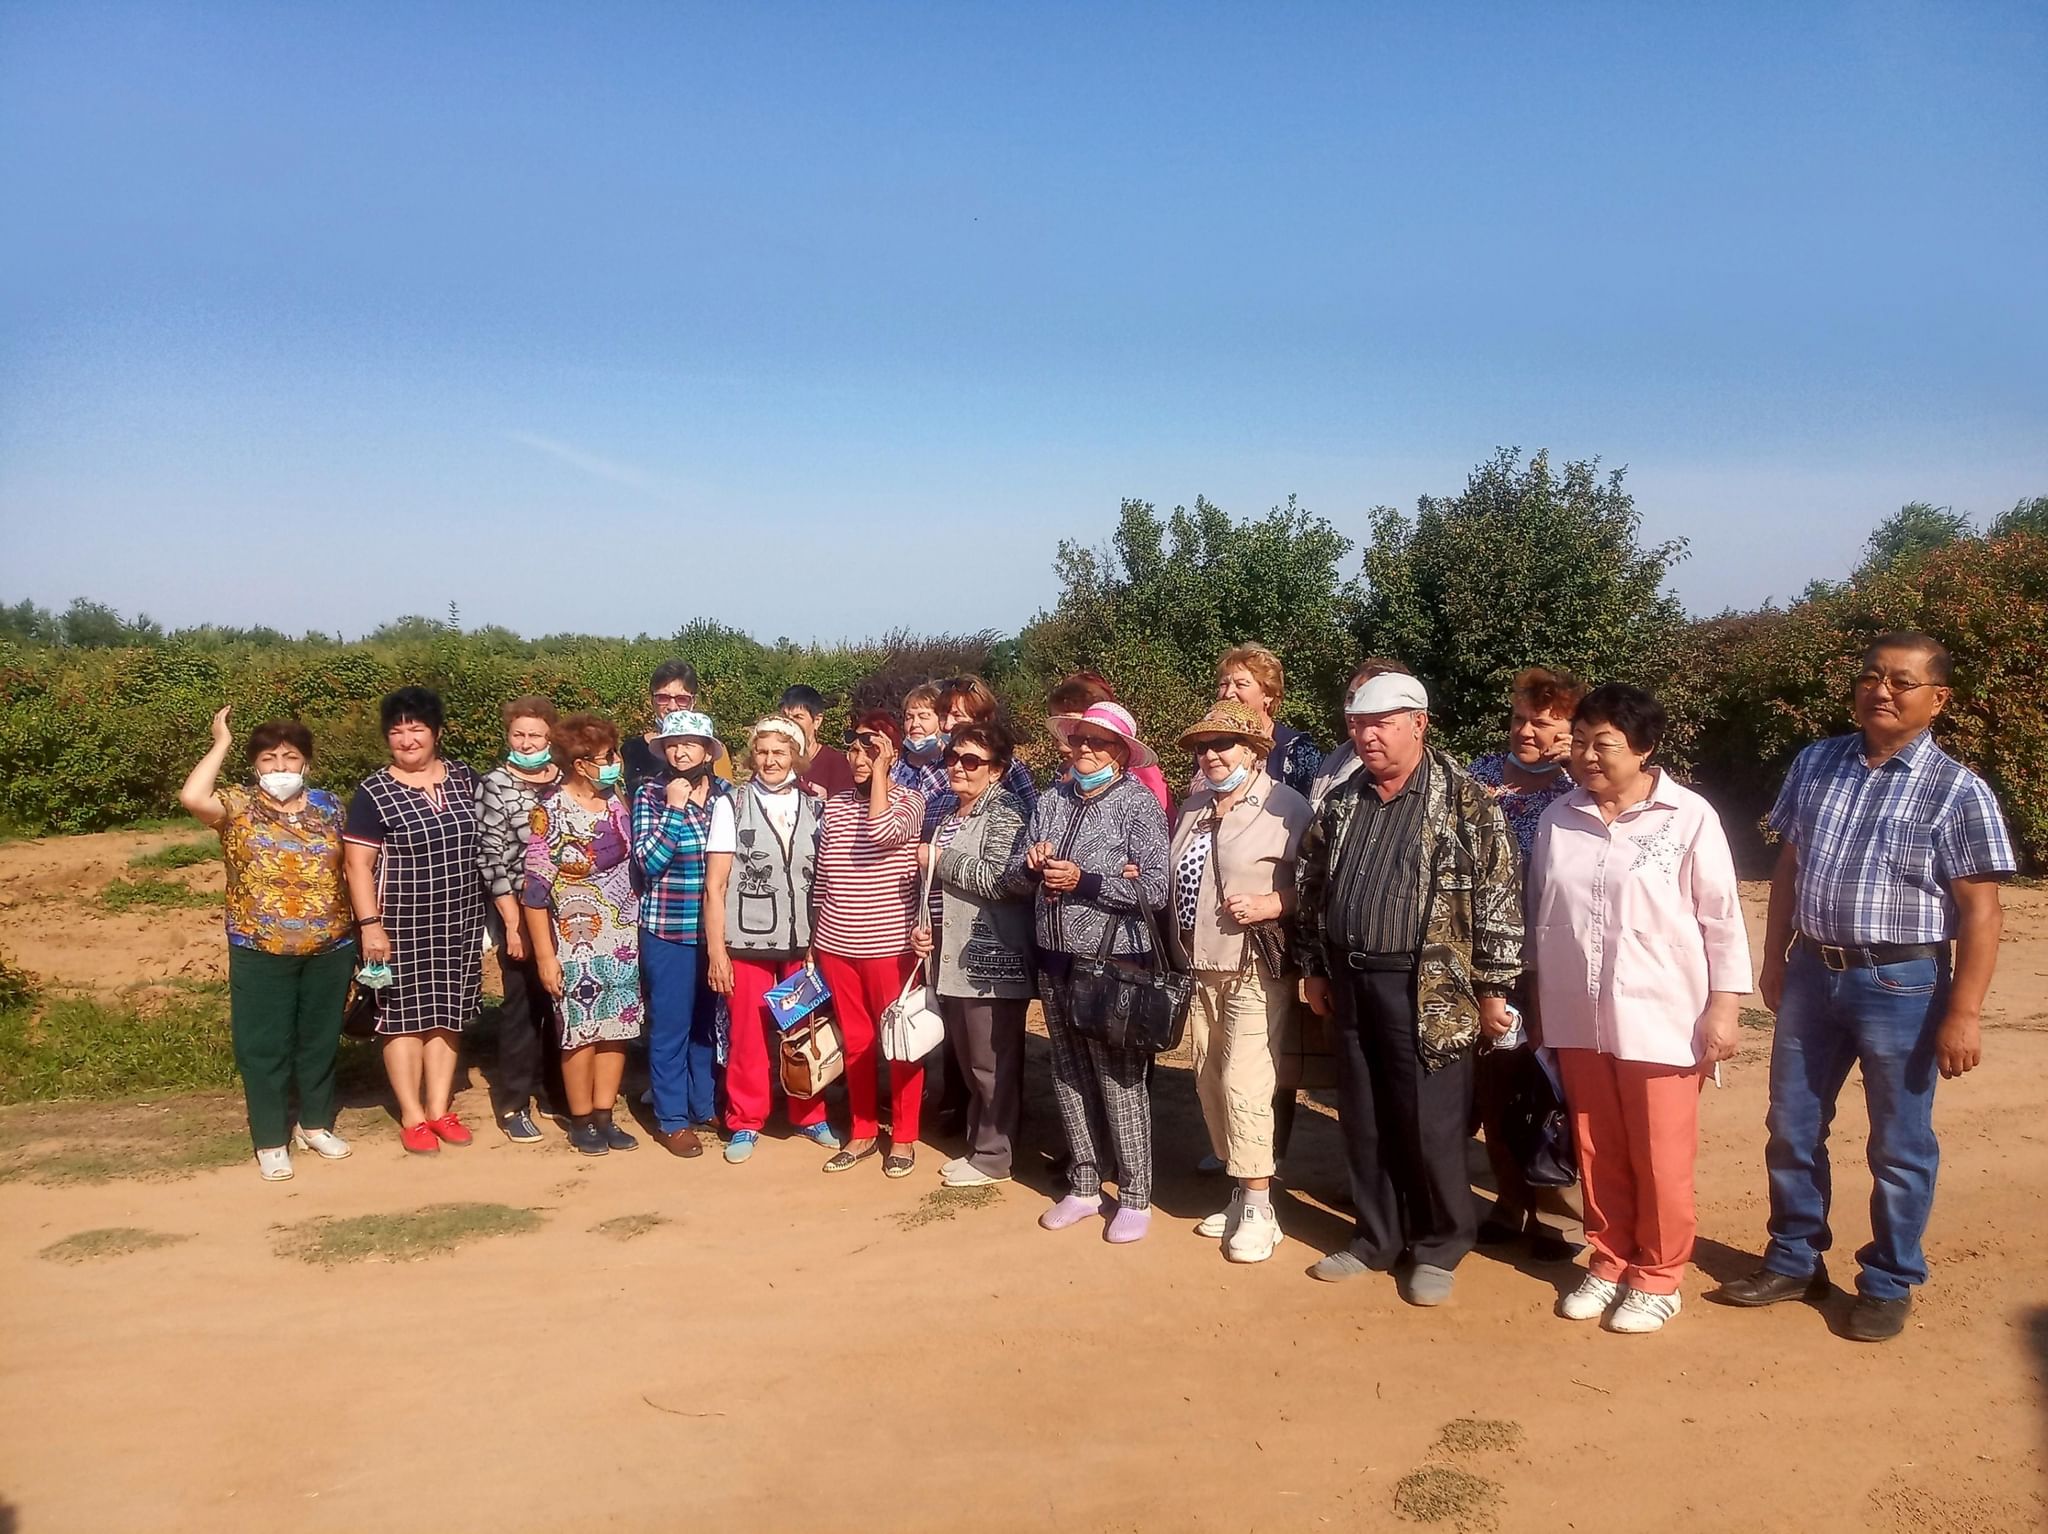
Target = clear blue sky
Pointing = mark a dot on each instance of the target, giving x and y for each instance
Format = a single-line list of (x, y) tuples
[(825, 319)]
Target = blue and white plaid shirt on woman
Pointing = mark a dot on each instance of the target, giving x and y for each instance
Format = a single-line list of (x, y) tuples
[(1879, 846)]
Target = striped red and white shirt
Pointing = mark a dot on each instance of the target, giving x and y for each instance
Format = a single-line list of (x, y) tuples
[(866, 883)]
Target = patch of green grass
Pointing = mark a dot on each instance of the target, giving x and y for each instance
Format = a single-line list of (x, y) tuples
[(627, 1227), (178, 855), (944, 1203), (109, 1241), (77, 1142), (432, 1231), (84, 1046), (1478, 1435), (1446, 1494), (151, 893)]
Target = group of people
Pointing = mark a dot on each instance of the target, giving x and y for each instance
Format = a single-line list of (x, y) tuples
[(1445, 918)]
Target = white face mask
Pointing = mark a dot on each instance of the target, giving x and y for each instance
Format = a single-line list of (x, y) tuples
[(281, 786)]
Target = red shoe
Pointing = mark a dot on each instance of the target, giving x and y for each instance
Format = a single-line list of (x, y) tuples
[(448, 1127), (419, 1139)]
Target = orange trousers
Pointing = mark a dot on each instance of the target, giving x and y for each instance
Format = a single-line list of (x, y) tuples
[(1637, 1127)]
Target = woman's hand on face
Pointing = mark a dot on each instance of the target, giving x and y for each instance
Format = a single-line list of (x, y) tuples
[(719, 969), (376, 945), (1247, 909), (921, 942), (550, 969), (222, 735), (1061, 875), (885, 755)]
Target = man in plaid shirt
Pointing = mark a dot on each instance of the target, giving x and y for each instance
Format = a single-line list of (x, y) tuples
[(1892, 852)]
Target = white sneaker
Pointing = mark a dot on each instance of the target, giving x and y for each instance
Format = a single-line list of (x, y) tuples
[(1256, 1235), (274, 1164), (1220, 1224), (324, 1143), (1590, 1300), (953, 1166), (965, 1174), (1639, 1312)]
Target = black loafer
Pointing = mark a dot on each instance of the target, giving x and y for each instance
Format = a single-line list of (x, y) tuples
[(615, 1138), (1765, 1287), (587, 1138), (1876, 1320)]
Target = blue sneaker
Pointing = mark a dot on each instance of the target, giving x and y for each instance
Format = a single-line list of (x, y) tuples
[(821, 1133), (519, 1127), (740, 1146)]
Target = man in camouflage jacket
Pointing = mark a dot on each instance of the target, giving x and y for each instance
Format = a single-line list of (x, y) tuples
[(1409, 933)]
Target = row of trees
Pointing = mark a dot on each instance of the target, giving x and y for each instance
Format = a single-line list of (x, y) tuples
[(1530, 563)]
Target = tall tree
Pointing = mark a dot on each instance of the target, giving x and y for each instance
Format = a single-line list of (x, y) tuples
[(1915, 529)]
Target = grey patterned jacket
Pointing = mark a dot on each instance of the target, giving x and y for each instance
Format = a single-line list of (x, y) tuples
[(985, 903), (1124, 824), (504, 813)]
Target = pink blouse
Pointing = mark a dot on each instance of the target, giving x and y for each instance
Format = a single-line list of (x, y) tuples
[(1632, 924)]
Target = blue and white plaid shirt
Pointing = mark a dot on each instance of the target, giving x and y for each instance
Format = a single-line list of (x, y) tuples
[(1879, 846)]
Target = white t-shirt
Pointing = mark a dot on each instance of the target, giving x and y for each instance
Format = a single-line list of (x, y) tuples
[(780, 806), (723, 835)]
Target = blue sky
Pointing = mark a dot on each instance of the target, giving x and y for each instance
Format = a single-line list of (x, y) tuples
[(827, 319)]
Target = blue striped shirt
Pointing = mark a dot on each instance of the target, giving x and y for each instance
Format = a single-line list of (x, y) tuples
[(1879, 846)]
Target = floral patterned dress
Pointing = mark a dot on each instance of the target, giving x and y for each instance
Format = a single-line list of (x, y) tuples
[(579, 866)]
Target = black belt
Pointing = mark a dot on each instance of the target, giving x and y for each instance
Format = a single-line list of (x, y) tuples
[(1380, 961), (1839, 956)]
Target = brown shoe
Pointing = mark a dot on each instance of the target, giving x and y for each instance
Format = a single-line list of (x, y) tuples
[(1767, 1287), (680, 1142)]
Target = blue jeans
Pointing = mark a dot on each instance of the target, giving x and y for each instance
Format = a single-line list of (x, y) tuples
[(682, 1039), (1884, 1018)]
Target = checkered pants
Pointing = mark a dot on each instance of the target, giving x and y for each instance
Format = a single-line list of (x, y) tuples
[(1104, 1103)]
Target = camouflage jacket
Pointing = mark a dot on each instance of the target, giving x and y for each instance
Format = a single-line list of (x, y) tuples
[(1472, 903)]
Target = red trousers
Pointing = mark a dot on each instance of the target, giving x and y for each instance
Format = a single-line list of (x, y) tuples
[(861, 988), (1638, 1128), (753, 1057)]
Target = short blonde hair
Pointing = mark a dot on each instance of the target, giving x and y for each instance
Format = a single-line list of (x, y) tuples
[(1261, 662)]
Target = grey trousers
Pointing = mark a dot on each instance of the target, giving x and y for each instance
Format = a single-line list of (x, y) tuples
[(1105, 1103), (987, 1038)]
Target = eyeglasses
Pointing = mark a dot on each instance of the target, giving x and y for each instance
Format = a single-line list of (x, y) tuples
[(1082, 742), (675, 700), (966, 761), (863, 740), (1870, 681), (1210, 743)]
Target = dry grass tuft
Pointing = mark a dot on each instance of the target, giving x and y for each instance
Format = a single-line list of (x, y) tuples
[(110, 1241), (628, 1227), (433, 1231), (1446, 1494)]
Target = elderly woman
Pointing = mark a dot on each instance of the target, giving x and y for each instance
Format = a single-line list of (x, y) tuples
[(505, 802), (581, 919), (1091, 825), (1524, 780), (1252, 675), (683, 841), (672, 689), (980, 933), (866, 893), (921, 766), (412, 836), (290, 943), (969, 700), (1232, 857), (1641, 962), (1074, 696), (768, 930)]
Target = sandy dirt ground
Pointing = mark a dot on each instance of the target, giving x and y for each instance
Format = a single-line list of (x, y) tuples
[(796, 1352)]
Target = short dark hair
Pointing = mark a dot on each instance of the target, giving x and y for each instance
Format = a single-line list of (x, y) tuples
[(992, 738), (1637, 714), (1079, 693), (1940, 664), (802, 695), (674, 671), (411, 705), (968, 695), (582, 737), (280, 732)]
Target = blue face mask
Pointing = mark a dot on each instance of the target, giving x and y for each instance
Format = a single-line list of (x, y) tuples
[(1088, 782), (1231, 784), (529, 761), (608, 776), (925, 745)]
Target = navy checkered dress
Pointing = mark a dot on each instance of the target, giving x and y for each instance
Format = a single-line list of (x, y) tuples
[(431, 895)]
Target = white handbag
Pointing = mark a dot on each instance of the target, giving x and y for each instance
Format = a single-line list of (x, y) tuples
[(911, 1025)]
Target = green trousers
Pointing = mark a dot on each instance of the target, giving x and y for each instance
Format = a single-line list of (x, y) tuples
[(285, 1013)]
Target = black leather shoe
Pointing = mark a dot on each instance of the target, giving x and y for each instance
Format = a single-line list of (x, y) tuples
[(1764, 1287), (1876, 1320)]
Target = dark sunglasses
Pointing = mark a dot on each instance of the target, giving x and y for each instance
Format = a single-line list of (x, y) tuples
[(1082, 742), (966, 761), (1212, 743), (867, 740)]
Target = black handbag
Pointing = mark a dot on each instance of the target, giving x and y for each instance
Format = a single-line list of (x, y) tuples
[(1536, 1127), (1139, 1004)]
